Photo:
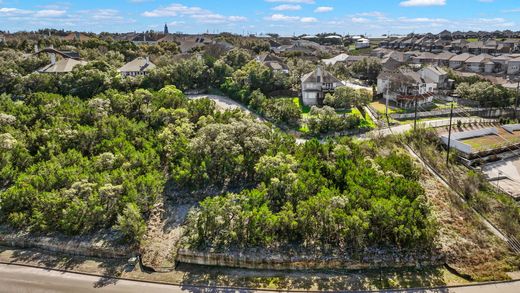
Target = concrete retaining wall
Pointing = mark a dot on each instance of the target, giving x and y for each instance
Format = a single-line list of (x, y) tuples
[(298, 262), (511, 127), (467, 149), (94, 247)]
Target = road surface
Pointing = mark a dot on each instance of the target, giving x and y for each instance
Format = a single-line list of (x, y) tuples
[(226, 103), (14, 279)]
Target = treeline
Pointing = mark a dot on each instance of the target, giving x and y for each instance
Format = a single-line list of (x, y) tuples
[(337, 195), (78, 165)]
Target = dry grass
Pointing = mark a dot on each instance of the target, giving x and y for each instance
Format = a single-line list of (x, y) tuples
[(469, 247)]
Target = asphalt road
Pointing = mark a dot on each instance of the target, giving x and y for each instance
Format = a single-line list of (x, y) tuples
[(14, 279)]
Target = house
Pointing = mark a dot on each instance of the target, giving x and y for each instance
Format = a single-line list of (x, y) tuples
[(404, 86), (390, 64), (274, 62), (438, 76), (458, 61), (316, 84), (76, 37), (480, 63), (424, 58), (513, 66), (143, 38), (443, 59), (362, 43), (474, 48), (64, 65), (501, 62), (137, 67), (445, 35), (457, 46)]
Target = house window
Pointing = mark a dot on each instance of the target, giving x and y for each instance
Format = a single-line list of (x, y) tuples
[(318, 79)]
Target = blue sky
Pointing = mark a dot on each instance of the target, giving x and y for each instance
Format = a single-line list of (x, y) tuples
[(287, 17)]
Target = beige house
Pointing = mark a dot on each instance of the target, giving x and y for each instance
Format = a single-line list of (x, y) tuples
[(137, 67), (316, 84), (458, 61)]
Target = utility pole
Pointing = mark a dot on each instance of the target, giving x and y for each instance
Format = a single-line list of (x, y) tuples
[(415, 119), (517, 97), (449, 137)]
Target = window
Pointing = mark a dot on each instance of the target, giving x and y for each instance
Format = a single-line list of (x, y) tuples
[(318, 79)]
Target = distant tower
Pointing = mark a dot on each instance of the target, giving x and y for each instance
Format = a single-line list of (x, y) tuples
[(165, 28)]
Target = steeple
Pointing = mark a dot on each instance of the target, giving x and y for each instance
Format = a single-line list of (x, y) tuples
[(166, 29)]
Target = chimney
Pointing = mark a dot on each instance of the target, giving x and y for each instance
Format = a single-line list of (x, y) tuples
[(147, 59), (53, 58)]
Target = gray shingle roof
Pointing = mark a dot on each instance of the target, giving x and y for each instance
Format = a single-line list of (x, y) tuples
[(61, 66), (137, 65)]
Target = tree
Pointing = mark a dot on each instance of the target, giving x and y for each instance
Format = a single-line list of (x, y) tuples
[(367, 68), (131, 224)]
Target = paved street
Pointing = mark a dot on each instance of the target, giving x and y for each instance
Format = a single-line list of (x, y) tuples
[(14, 279)]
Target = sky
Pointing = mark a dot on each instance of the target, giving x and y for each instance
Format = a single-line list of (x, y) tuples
[(285, 17)]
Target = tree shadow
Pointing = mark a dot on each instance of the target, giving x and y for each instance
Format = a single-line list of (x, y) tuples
[(214, 278)]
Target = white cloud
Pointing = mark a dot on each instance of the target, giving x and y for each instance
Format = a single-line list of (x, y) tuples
[(322, 9), (5, 11), (285, 7), (411, 3), (199, 14), (360, 20), (282, 17), (175, 10), (514, 10), (49, 13), (308, 19)]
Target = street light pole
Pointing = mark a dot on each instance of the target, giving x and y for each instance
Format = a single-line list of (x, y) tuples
[(449, 137), (415, 119), (517, 97)]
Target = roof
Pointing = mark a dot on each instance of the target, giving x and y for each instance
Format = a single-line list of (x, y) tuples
[(390, 63), (479, 58), (426, 56), (437, 70), (275, 65), (462, 57), (266, 57), (340, 58), (327, 77), (444, 56), (402, 74), (62, 66), (137, 65)]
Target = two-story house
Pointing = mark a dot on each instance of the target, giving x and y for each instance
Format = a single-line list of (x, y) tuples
[(316, 84), (404, 86)]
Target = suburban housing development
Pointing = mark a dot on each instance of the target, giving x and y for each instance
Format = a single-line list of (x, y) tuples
[(277, 145)]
